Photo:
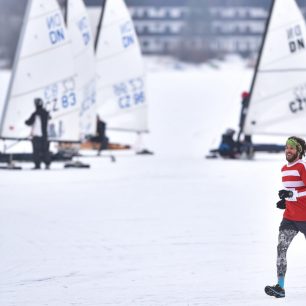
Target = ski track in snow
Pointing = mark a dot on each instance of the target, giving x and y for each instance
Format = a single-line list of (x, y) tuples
[(172, 229)]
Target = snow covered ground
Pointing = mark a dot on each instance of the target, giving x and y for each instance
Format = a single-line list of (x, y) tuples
[(173, 229)]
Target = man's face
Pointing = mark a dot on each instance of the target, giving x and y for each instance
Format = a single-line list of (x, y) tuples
[(292, 153)]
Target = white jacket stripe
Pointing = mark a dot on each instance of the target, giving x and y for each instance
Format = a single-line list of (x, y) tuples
[(292, 184), (290, 173)]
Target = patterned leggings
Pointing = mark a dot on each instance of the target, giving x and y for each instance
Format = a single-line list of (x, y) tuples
[(285, 237)]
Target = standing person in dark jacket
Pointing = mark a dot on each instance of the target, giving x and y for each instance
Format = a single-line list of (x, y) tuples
[(245, 96), (101, 135), (246, 144), (39, 123)]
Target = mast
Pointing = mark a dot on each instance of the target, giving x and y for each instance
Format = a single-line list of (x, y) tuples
[(17, 53), (258, 62), (66, 11), (103, 5)]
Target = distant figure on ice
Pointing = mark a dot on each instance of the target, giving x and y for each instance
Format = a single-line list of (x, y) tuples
[(245, 99), (228, 147), (100, 137), (246, 143), (101, 132), (293, 200), (39, 123)]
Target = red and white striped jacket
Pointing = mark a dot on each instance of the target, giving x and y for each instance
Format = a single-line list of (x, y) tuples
[(294, 178)]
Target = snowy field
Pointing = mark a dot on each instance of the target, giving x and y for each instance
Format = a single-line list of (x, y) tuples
[(173, 229)]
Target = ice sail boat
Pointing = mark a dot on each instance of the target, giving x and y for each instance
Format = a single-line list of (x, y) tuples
[(84, 58), (277, 104), (44, 68), (121, 95)]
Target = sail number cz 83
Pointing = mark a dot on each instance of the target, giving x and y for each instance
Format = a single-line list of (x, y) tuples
[(60, 95)]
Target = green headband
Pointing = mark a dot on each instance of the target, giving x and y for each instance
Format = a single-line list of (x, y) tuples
[(293, 143)]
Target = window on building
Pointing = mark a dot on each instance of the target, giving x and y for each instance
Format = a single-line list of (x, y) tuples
[(175, 13), (157, 12), (242, 12), (214, 12), (145, 29), (257, 27), (228, 13), (242, 46), (258, 12), (145, 43)]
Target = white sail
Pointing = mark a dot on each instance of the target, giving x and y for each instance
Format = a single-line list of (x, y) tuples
[(43, 68), (278, 98), (83, 51), (120, 71)]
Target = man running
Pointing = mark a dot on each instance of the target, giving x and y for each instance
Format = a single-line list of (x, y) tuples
[(293, 200)]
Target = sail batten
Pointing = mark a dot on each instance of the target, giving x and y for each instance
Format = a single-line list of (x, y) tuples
[(282, 70), (275, 95), (110, 85), (43, 51)]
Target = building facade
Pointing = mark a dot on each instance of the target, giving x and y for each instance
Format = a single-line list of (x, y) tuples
[(174, 27), (196, 27), (160, 26), (185, 28)]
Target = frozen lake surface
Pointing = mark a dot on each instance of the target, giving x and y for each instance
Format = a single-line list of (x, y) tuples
[(173, 229), (145, 231)]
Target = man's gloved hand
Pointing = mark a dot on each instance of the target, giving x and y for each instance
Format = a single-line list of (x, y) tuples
[(285, 194), (281, 204)]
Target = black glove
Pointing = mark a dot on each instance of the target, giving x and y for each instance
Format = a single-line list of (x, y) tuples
[(281, 204), (285, 194)]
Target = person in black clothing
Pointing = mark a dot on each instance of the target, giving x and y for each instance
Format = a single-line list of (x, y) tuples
[(100, 136), (246, 146), (101, 132), (228, 147), (39, 123), (244, 108)]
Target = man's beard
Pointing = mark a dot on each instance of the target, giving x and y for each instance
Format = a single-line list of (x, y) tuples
[(292, 158)]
